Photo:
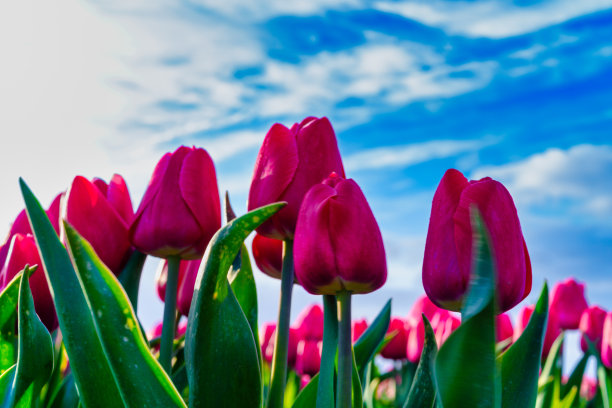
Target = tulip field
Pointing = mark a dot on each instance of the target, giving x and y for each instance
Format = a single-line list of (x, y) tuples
[(70, 274)]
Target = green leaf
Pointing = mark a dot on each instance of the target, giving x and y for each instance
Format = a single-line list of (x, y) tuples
[(466, 372), (88, 363), (423, 391), (356, 385), (8, 320), (141, 379), (130, 276), (35, 353), (605, 384), (220, 350), (369, 342), (550, 373), (308, 396), (325, 389), (6, 383), (520, 364), (575, 378), (66, 396)]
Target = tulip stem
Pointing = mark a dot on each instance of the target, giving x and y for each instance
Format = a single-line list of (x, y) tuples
[(169, 326), (278, 379), (345, 352), (325, 388)]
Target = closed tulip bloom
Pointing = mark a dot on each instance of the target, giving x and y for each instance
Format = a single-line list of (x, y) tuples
[(588, 388), (503, 328), (308, 357), (606, 343), (23, 251), (294, 339), (180, 210), (338, 245), (268, 254), (309, 323), (357, 329), (448, 250), (101, 216), (188, 272), (395, 349), (591, 326), (289, 163), (568, 302)]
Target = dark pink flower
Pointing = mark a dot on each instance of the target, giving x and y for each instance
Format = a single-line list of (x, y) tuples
[(591, 326), (567, 303), (553, 329), (289, 163), (358, 327), (503, 328), (395, 349), (448, 251), (180, 211), (309, 323), (606, 341), (267, 336), (308, 359), (188, 272), (268, 254), (338, 245)]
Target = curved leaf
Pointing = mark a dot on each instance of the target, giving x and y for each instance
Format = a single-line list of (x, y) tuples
[(520, 364), (220, 350), (88, 363), (423, 390), (8, 321), (130, 276), (6, 384), (141, 379)]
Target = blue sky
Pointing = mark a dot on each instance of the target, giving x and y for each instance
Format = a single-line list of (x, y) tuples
[(519, 91)]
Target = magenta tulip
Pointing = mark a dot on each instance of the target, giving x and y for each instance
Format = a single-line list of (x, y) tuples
[(268, 254), (423, 305), (357, 328), (395, 349), (567, 303), (180, 211), (23, 251), (266, 336), (503, 328), (188, 272), (308, 357), (289, 163), (309, 323), (338, 245), (443, 323), (591, 326), (553, 329), (448, 249), (102, 216), (606, 341)]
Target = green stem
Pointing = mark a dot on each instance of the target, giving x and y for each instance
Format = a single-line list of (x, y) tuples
[(276, 394), (325, 388), (345, 352), (168, 328)]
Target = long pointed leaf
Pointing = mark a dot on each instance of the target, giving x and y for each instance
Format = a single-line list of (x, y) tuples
[(423, 391), (8, 320)]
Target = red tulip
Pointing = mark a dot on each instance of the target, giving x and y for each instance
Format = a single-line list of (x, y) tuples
[(22, 251), (188, 272), (309, 323), (267, 336), (357, 329), (308, 357), (180, 211), (338, 245), (268, 254), (591, 326), (95, 214), (567, 303), (503, 328), (289, 163), (448, 249), (395, 349), (606, 343)]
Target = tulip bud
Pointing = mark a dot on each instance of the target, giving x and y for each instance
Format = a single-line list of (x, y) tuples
[(309, 323), (503, 328), (308, 357), (94, 213), (357, 329), (181, 210), (304, 380), (447, 263), (591, 326), (289, 163), (588, 388), (23, 251), (606, 343), (268, 254), (395, 349), (338, 245), (567, 303), (188, 272), (268, 344)]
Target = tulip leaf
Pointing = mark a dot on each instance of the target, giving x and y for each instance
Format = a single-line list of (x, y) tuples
[(8, 320), (325, 389), (6, 383), (575, 378), (520, 364), (35, 353), (130, 276), (605, 384), (551, 372), (423, 390), (220, 350), (466, 372), (88, 362), (139, 376), (66, 396)]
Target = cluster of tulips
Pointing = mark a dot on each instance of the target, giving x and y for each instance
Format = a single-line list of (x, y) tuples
[(70, 334)]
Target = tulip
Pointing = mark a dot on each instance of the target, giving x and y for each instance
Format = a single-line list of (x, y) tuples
[(606, 343), (268, 344), (358, 328), (588, 388), (591, 326), (308, 357), (304, 380), (338, 245), (102, 217), (448, 250), (503, 328), (268, 254), (309, 323), (395, 349), (423, 305), (180, 210), (188, 272), (553, 329), (289, 163), (156, 331), (568, 302), (443, 323), (23, 251), (267, 335)]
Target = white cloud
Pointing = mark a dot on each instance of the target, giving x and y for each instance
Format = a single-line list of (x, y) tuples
[(493, 18)]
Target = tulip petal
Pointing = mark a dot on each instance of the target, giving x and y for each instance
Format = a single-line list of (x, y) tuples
[(154, 185), (118, 197)]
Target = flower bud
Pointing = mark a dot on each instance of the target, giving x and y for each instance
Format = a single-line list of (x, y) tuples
[(395, 349), (268, 254), (289, 163), (309, 323), (180, 211), (447, 263), (591, 326), (567, 303), (338, 245)]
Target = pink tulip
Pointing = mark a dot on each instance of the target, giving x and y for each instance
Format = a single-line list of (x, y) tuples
[(423, 305), (309, 323), (268, 254), (22, 251), (338, 245), (188, 272), (102, 217), (553, 329), (308, 357), (447, 264), (567, 303), (156, 331), (444, 323), (606, 341), (588, 388), (357, 329), (289, 163), (180, 211), (267, 335), (591, 326), (396, 348), (268, 350), (503, 328)]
